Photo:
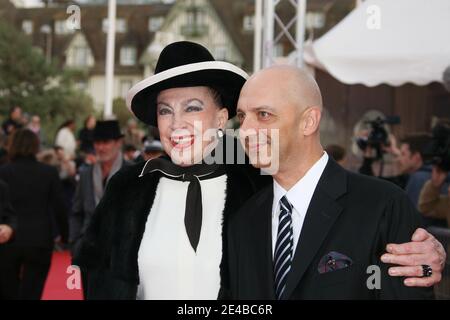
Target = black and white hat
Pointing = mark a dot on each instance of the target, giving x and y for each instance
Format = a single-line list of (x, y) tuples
[(185, 64)]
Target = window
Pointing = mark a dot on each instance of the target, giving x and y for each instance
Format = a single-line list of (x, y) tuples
[(27, 26), (315, 20), (155, 23), (121, 25), (125, 85), (249, 23), (195, 25), (128, 56), (61, 27), (80, 56)]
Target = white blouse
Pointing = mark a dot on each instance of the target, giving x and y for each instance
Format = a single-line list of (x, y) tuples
[(169, 268)]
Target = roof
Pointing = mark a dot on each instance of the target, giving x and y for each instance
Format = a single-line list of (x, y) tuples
[(137, 33)]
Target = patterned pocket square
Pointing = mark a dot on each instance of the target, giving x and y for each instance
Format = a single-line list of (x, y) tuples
[(333, 261)]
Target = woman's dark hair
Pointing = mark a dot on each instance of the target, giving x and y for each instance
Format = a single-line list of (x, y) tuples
[(66, 123), (217, 96), (24, 144)]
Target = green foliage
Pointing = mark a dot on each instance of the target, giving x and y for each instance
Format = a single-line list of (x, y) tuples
[(38, 87), (121, 112)]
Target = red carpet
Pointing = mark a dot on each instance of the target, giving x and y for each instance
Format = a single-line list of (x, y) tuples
[(56, 284)]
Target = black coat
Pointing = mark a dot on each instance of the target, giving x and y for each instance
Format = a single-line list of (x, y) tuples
[(37, 198), (7, 213), (109, 249), (351, 214)]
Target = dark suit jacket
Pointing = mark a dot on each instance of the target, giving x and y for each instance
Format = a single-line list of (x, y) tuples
[(351, 214), (37, 198), (7, 214)]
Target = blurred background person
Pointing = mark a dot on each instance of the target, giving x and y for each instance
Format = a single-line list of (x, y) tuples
[(3, 151), (434, 196), (35, 126), (432, 203), (152, 150), (408, 160), (93, 179), (8, 223), (338, 153), (37, 199), (14, 121), (86, 135), (8, 220), (133, 134), (411, 162), (131, 154), (65, 138)]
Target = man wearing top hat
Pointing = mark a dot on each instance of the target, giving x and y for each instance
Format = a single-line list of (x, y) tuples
[(94, 178)]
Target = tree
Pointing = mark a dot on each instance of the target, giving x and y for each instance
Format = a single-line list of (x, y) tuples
[(27, 80)]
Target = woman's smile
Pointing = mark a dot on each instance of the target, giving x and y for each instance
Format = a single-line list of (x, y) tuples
[(182, 142)]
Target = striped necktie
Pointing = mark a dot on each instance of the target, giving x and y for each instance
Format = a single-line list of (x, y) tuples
[(284, 247)]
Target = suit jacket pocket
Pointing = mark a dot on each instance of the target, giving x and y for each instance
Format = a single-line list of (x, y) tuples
[(335, 277)]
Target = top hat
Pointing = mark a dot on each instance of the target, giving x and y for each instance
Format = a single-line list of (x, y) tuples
[(186, 64), (107, 130)]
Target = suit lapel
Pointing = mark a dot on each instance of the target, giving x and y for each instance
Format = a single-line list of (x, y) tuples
[(266, 209), (320, 217), (262, 243)]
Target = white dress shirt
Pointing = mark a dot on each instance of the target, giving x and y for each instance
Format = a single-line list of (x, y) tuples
[(299, 196), (169, 268)]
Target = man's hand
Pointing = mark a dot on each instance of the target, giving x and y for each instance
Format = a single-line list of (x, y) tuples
[(5, 233), (424, 249), (438, 177), (392, 147)]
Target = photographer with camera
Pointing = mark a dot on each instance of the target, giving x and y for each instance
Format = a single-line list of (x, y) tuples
[(411, 158), (434, 198), (412, 172), (375, 143)]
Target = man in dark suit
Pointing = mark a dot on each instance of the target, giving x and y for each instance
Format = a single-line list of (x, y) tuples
[(318, 231), (37, 199), (8, 219)]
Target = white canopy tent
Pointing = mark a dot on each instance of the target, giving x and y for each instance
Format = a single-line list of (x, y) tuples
[(387, 42)]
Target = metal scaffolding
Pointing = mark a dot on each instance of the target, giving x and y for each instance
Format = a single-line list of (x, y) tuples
[(267, 21)]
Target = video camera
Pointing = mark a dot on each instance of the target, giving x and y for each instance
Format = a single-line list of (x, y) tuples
[(439, 148), (378, 135)]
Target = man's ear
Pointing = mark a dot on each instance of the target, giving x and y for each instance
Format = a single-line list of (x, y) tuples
[(311, 120), (222, 118)]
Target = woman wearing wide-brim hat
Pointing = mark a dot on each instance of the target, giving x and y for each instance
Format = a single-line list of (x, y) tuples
[(158, 232)]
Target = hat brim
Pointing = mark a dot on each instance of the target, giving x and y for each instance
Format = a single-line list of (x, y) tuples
[(227, 78)]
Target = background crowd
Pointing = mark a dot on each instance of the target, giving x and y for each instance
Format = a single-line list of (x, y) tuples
[(51, 188)]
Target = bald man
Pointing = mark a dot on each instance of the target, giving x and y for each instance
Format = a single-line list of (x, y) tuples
[(319, 231)]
